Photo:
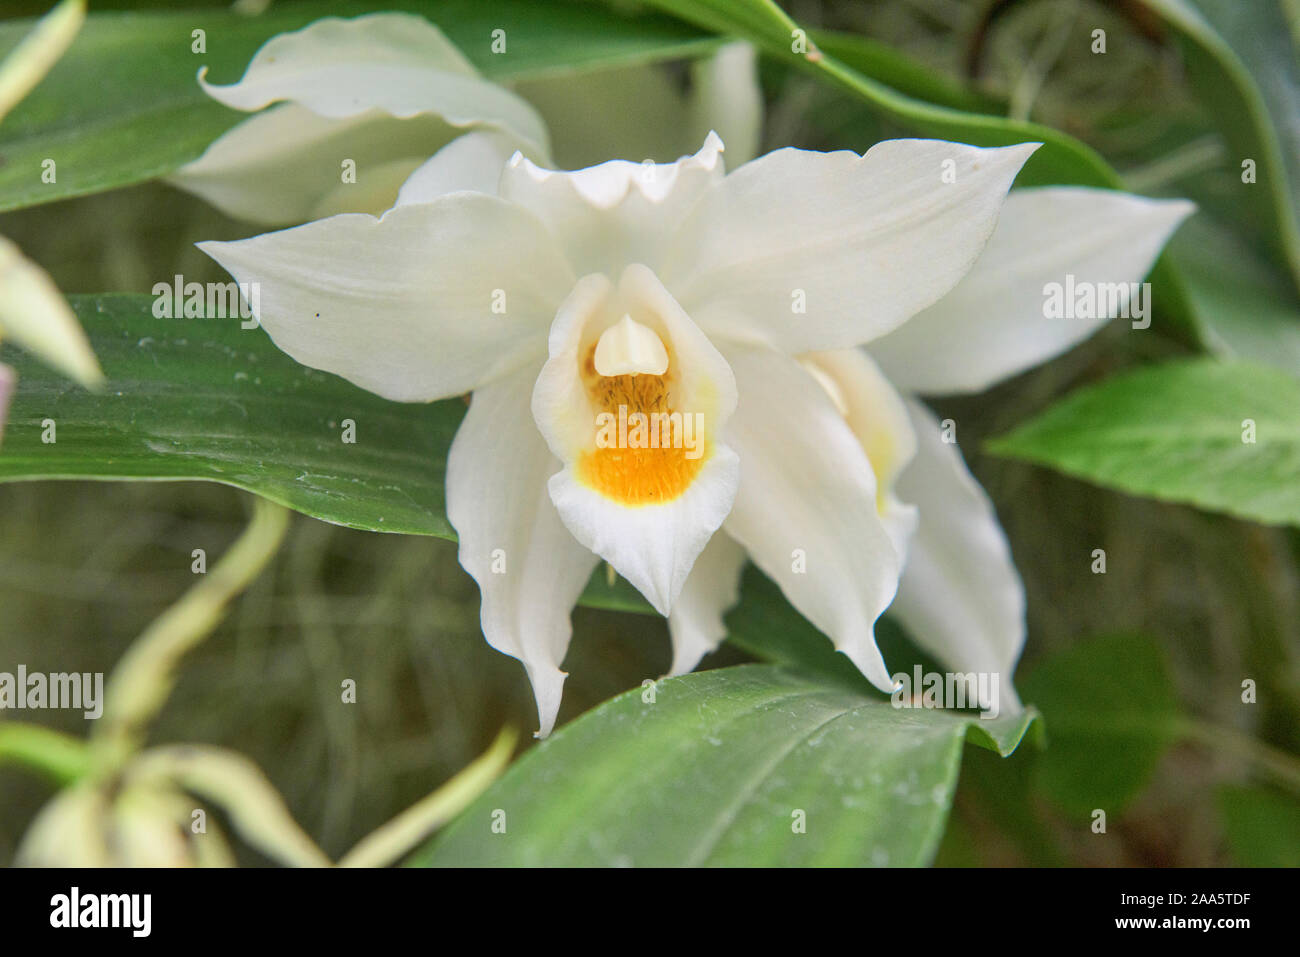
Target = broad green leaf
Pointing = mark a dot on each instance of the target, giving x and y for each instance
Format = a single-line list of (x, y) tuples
[(1062, 159), (1263, 827), (203, 399), (1003, 806), (206, 399), (1110, 711), (900, 72), (722, 768), (1247, 307), (123, 105), (1242, 60), (1222, 436)]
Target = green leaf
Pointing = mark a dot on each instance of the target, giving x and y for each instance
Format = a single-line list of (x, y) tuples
[(900, 72), (1111, 713), (203, 399), (1246, 305), (1062, 159), (715, 771), (1178, 432), (123, 105), (60, 757), (1241, 58), (1263, 827)]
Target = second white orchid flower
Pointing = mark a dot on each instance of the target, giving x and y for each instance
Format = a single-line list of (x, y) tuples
[(344, 111), (664, 376)]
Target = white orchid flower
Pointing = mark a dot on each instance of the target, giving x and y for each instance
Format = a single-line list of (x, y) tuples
[(960, 596), (374, 96), (568, 299)]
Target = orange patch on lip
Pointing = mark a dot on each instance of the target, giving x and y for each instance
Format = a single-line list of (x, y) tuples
[(640, 476)]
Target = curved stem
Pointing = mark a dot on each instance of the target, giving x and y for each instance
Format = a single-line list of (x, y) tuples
[(146, 675), (1281, 767), (62, 757), (394, 840)]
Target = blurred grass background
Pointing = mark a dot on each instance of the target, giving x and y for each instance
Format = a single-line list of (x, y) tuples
[(85, 566)]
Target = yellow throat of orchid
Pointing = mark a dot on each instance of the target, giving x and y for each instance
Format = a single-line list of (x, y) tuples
[(646, 451)]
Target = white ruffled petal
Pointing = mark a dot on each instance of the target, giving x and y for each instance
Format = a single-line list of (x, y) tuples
[(471, 162), (529, 569), (711, 589), (417, 305), (996, 322), (361, 104), (397, 63), (806, 507), (809, 251), (609, 216)]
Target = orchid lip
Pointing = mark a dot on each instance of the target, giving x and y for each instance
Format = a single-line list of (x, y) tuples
[(648, 446)]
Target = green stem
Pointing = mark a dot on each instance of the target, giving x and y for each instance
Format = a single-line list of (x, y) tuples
[(60, 756), (146, 675), (1281, 767), (398, 837), (1198, 156)]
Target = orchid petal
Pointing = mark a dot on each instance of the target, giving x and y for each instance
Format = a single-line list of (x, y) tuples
[(529, 569), (725, 96), (417, 305), (26, 64), (993, 324), (588, 116), (960, 597), (877, 415), (647, 511), (809, 251), (806, 507), (281, 166), (609, 216), (711, 589), (35, 314), (397, 63), (471, 162), (381, 92)]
